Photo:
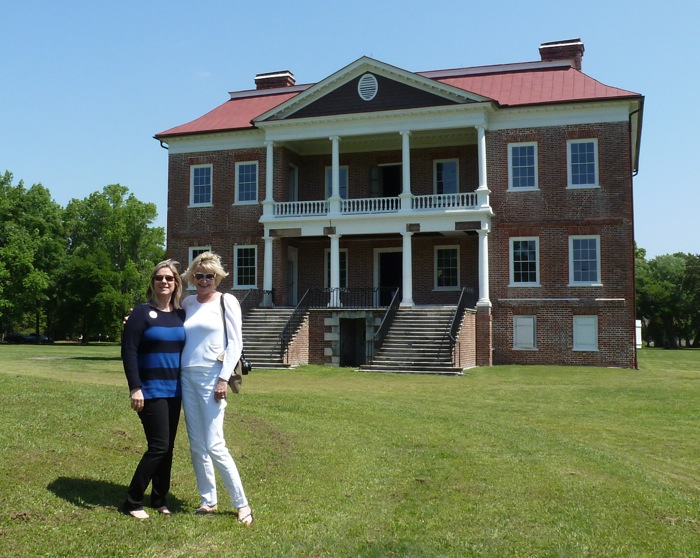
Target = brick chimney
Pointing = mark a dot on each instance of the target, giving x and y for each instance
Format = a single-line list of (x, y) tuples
[(570, 49), (273, 80)]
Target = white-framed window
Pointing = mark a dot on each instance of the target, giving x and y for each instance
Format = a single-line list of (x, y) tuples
[(524, 261), (247, 182), (343, 263), (446, 176), (522, 166), (201, 184), (193, 252), (343, 184), (446, 268), (584, 260), (585, 333), (582, 163), (245, 267), (524, 333)]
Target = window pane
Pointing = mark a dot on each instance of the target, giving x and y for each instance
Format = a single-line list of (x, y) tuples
[(245, 266), (201, 185), (343, 182), (585, 260), (583, 163), (247, 182), (447, 270), (523, 166), (446, 177), (524, 261)]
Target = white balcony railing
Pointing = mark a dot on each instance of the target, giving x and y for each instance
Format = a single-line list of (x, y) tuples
[(301, 208), (459, 200), (369, 206)]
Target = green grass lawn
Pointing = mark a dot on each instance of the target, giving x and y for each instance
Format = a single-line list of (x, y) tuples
[(504, 461)]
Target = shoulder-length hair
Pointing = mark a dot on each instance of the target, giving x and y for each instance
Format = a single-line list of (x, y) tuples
[(173, 266)]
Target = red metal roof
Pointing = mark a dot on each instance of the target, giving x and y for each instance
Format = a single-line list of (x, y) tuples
[(509, 88), (234, 114), (537, 87)]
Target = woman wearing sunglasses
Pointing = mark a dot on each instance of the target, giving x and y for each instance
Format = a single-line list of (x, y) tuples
[(205, 381), (153, 338)]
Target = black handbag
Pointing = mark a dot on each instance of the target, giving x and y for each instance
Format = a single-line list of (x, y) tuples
[(243, 366)]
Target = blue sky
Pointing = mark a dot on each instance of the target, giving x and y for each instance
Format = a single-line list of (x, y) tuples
[(86, 84)]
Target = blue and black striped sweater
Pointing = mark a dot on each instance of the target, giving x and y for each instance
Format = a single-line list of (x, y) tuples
[(151, 346)]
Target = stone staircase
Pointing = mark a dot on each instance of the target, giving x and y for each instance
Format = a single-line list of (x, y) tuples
[(417, 343), (261, 332)]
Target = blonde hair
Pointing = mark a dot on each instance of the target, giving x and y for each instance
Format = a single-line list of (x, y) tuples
[(208, 261), (173, 266)]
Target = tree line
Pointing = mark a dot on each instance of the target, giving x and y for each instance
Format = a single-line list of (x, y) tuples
[(73, 272), (668, 299)]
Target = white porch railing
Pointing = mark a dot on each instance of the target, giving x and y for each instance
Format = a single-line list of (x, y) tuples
[(369, 205), (355, 206), (459, 200), (301, 208)]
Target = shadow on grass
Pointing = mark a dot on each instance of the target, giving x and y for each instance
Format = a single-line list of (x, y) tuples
[(91, 493)]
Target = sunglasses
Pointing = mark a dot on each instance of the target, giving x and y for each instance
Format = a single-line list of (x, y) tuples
[(207, 276), (168, 278)]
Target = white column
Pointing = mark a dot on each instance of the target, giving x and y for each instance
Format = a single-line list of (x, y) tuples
[(335, 175), (268, 202), (483, 189), (267, 272), (484, 299), (335, 271), (406, 195), (407, 280)]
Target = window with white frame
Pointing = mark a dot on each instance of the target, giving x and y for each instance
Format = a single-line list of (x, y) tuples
[(343, 181), (200, 184), (524, 261), (524, 333), (446, 176), (522, 166), (585, 333), (343, 264), (584, 260), (195, 251), (247, 182), (582, 167), (447, 268), (245, 267)]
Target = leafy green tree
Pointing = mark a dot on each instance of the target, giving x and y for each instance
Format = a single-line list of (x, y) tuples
[(111, 251), (668, 298), (32, 248)]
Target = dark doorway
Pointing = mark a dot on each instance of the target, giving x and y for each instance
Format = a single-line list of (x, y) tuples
[(352, 342), (390, 180), (390, 275)]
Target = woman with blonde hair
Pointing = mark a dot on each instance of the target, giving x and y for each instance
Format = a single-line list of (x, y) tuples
[(153, 338), (209, 357)]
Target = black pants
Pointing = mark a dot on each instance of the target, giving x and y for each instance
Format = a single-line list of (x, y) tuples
[(160, 418)]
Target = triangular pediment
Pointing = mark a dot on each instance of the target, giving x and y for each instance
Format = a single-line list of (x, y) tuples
[(367, 86)]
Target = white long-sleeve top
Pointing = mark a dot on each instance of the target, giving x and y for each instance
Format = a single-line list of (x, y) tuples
[(204, 333)]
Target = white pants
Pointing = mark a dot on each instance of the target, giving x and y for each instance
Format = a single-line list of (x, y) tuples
[(204, 418)]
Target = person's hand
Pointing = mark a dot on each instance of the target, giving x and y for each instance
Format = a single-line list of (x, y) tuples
[(136, 400), (220, 390)]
